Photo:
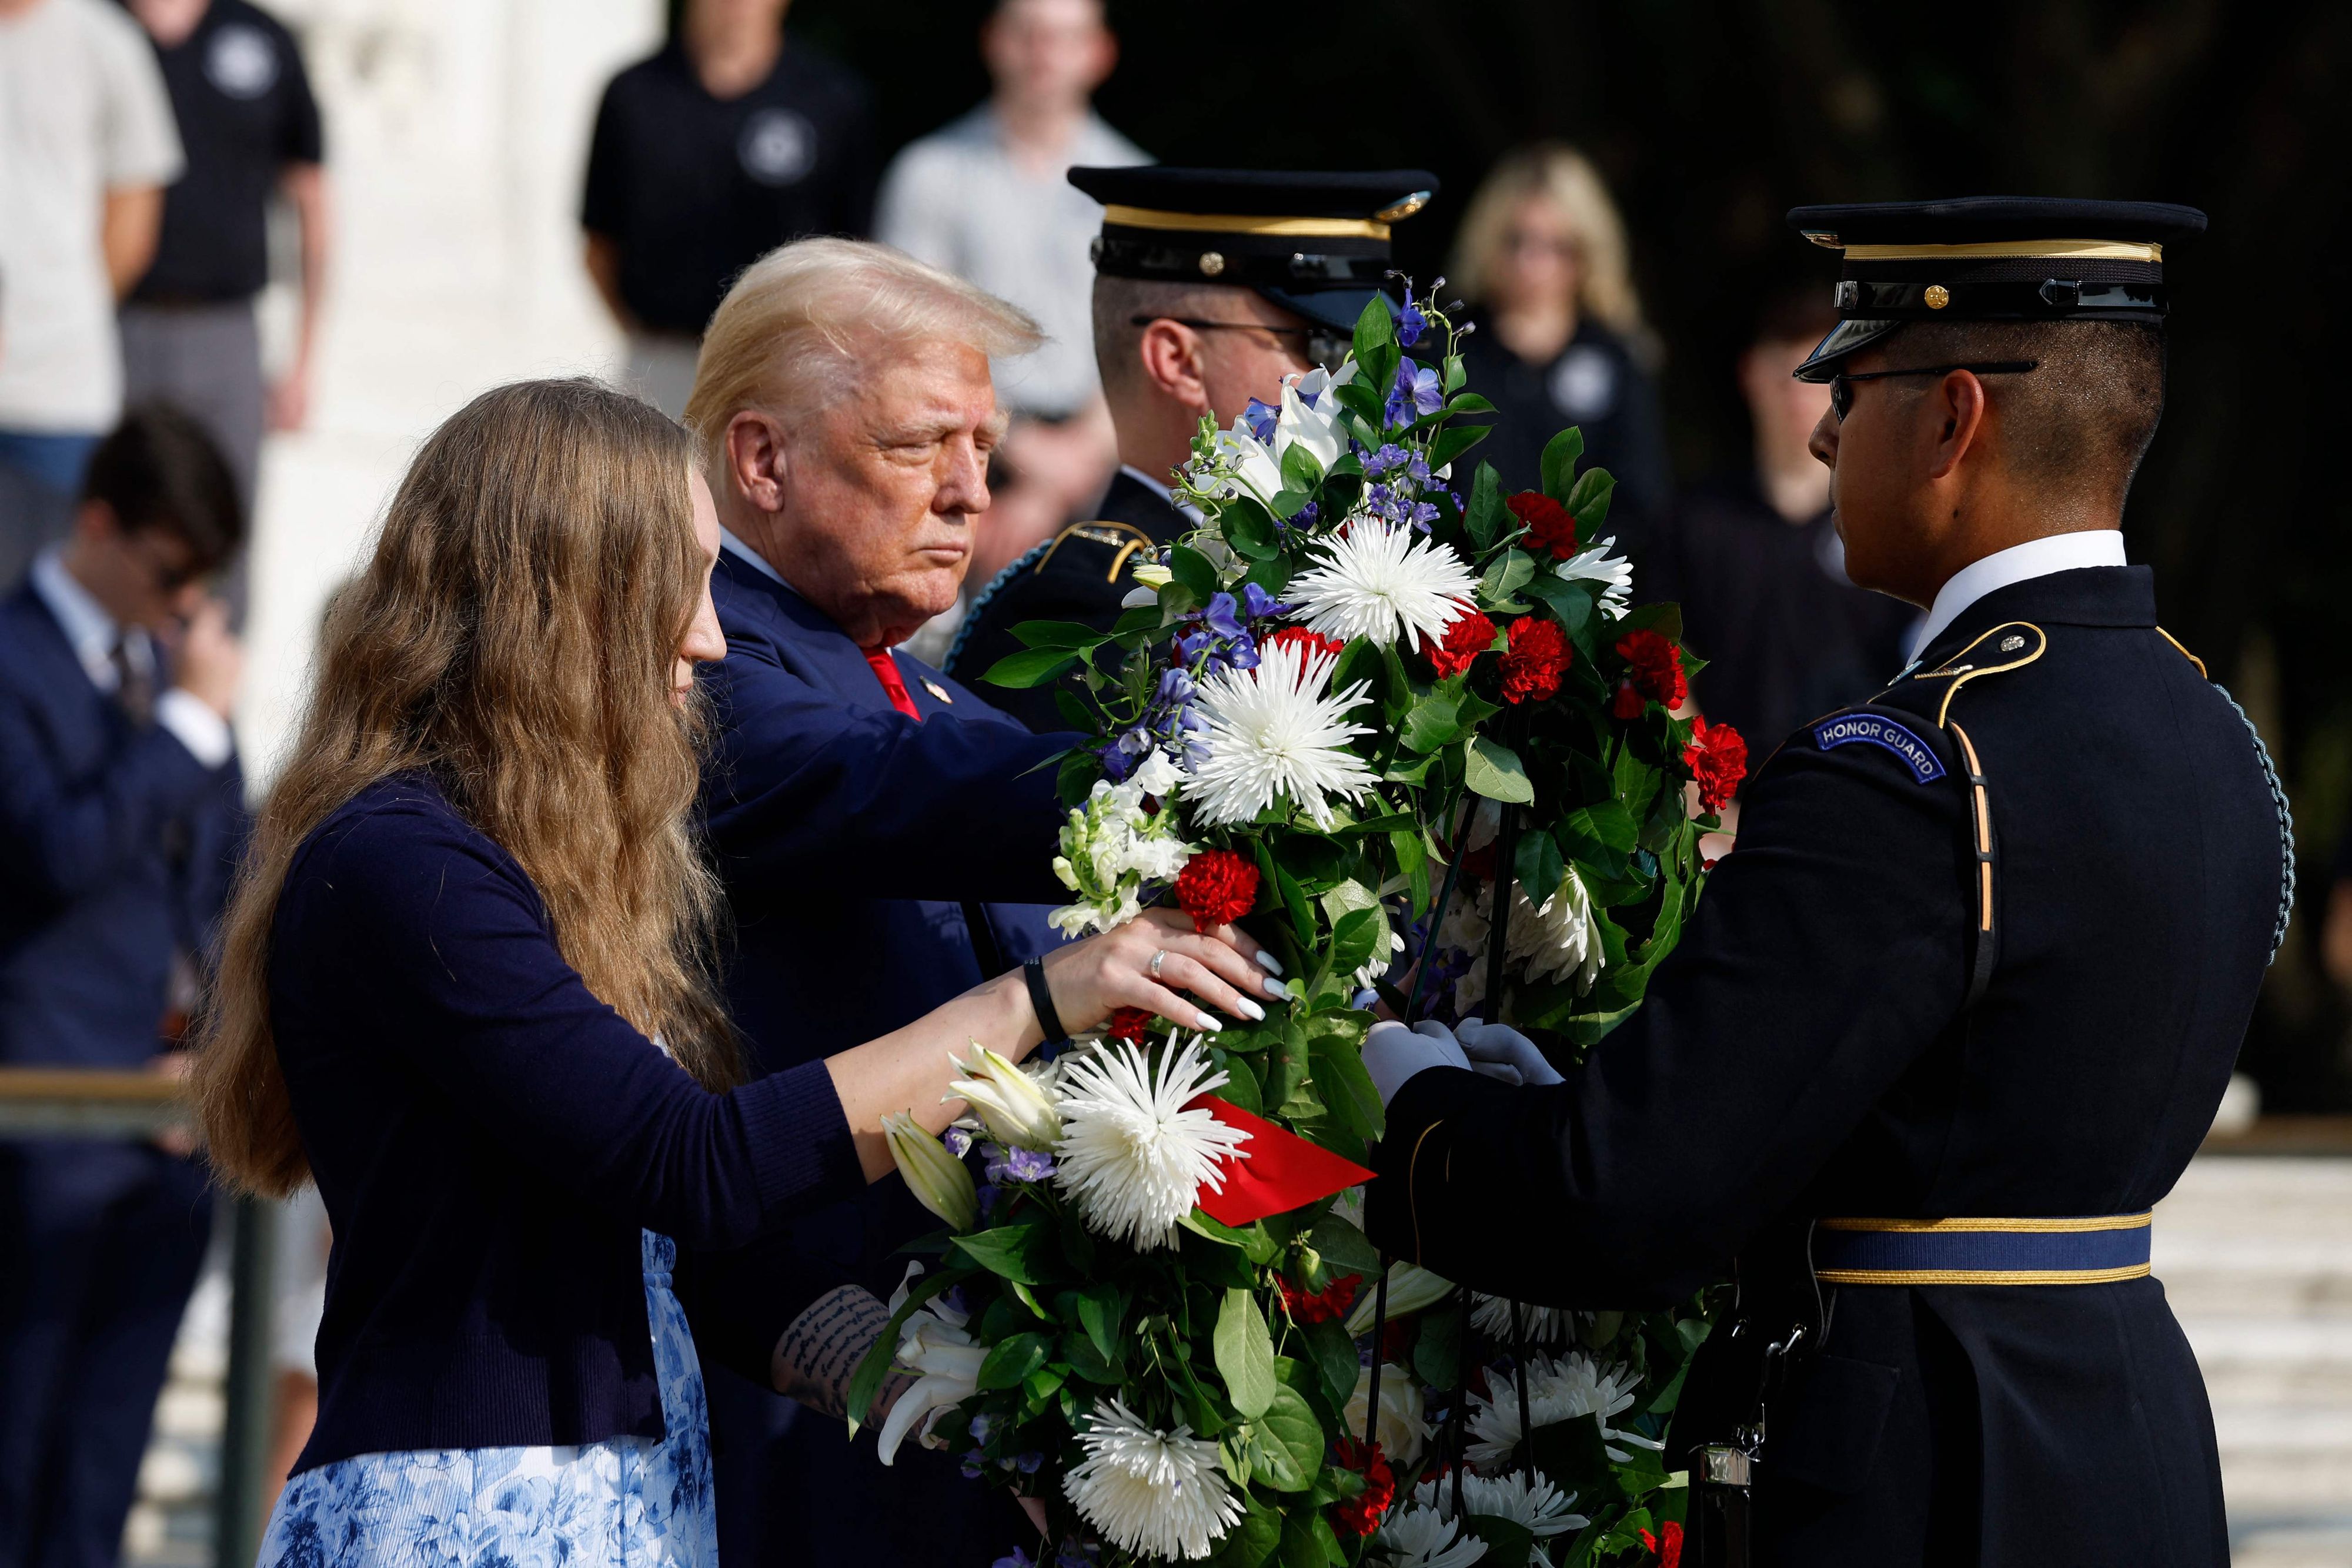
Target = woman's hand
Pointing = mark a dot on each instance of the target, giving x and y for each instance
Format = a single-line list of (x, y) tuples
[(1144, 963)]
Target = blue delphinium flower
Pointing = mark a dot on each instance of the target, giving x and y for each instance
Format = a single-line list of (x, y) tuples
[(959, 1142), (1019, 1165), (1260, 417), (1018, 1558), (1257, 603), (1390, 456), (982, 1426), (1411, 323), (1417, 470), (1414, 395), (1027, 1463), (1424, 514), (1306, 517)]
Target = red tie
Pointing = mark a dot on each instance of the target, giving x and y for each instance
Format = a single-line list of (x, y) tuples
[(885, 670)]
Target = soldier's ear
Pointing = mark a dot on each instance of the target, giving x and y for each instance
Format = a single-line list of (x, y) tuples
[(1957, 406), (1173, 362)]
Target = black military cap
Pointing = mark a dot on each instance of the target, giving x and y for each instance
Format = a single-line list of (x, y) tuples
[(1316, 243), (1989, 258)]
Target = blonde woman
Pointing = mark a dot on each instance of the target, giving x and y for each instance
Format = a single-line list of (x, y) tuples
[(1542, 257), (463, 988)]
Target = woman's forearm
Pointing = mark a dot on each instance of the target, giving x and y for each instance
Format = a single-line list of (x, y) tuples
[(818, 1354), (909, 1069)]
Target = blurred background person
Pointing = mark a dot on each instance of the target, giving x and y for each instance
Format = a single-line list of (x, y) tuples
[(250, 129), (1542, 257), (985, 197), (87, 146), (120, 814), (1753, 558), (729, 141)]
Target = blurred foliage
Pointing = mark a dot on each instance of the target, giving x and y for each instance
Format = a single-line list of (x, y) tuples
[(1711, 119)]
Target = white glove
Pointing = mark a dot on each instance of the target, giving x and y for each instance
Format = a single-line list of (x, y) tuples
[(1504, 1054), (1393, 1053)]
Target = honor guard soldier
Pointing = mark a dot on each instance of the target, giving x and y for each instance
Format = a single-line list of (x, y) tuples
[(1210, 286), (1959, 1007)]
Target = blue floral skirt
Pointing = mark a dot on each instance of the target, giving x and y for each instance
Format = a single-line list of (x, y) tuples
[(625, 1502)]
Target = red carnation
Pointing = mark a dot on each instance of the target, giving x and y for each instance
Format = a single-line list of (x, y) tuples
[(1551, 526), (1318, 1306), (1718, 758), (1314, 643), (1467, 636), (1216, 887), (1538, 658), (1361, 1514), (1657, 675), (1667, 1544), (1128, 1024)]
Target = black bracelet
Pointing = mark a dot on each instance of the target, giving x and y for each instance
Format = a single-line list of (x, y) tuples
[(1042, 999)]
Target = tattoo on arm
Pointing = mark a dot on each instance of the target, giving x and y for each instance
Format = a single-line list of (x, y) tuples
[(818, 1354)]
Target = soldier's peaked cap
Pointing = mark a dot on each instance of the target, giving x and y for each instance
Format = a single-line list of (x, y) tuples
[(1989, 258), (1313, 243)]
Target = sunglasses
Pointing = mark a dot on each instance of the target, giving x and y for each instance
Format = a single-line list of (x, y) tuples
[(1325, 346), (1841, 386)]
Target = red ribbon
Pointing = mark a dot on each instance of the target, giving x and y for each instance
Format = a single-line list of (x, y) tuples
[(1276, 1172)]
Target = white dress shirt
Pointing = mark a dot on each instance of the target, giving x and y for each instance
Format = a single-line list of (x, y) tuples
[(92, 634), (2018, 563)]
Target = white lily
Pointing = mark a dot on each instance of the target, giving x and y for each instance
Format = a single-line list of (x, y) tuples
[(1010, 1102), (937, 1178), (936, 1344), (1306, 416), (1411, 1288)]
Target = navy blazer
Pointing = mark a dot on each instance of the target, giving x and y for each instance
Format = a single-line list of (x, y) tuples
[(489, 1138), (858, 845), (116, 847)]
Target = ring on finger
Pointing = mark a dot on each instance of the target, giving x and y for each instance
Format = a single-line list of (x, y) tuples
[(1157, 960)]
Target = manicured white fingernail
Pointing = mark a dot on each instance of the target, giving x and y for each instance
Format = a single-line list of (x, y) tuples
[(1272, 964), (1274, 988), (1250, 1009), (1210, 1024)]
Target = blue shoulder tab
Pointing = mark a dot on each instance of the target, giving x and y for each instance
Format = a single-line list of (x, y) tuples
[(1878, 730)]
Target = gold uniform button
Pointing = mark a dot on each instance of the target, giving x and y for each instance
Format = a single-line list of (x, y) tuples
[(1937, 296), (1212, 262)]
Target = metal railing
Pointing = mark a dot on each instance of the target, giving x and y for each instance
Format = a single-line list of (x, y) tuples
[(57, 1102)]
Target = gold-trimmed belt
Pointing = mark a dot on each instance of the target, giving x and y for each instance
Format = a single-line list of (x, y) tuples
[(2091, 1250)]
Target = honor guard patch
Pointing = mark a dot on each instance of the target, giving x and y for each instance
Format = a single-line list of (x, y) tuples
[(1846, 729)]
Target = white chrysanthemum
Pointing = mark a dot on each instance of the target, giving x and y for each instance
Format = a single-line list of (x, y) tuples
[(1560, 940), (1130, 1153), (1534, 1502), (1402, 1428), (1558, 1389), (1421, 1537), (1597, 565), (1159, 1494), (1273, 732), (1384, 584), (1542, 1325)]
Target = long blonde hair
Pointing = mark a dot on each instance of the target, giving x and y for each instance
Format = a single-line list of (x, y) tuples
[(1560, 174), (514, 634)]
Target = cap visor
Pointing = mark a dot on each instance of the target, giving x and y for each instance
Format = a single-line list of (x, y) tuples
[(1823, 363), (1334, 308)]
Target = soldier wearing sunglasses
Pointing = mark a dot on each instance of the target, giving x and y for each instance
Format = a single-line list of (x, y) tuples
[(1210, 286)]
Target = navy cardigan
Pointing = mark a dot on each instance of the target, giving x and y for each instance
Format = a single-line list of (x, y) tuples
[(489, 1138)]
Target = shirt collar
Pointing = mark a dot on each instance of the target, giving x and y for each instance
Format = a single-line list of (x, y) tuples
[(89, 631), (2035, 558), (750, 557), (1160, 490)]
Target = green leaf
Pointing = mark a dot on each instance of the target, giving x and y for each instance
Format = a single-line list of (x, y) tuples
[(1375, 330), (1334, 1355), (1486, 518), (1452, 374), (1412, 864), (1020, 1253), (1358, 661), (1087, 1360), (1588, 500), (1603, 833), (1244, 1353), (1451, 443), (1250, 1543), (1010, 1361), (1100, 1307), (1435, 720), (1470, 402), (1354, 938), (1346, 1248), (1437, 1352), (1347, 1088), (1273, 574), (1285, 1062), (1072, 709), (1288, 1441), (1537, 860), (1030, 668), (1307, 1541), (1192, 570), (1069, 634), (1301, 470), (1511, 571), (1560, 456), (1249, 528), (1492, 770), (1510, 1544), (1142, 618)]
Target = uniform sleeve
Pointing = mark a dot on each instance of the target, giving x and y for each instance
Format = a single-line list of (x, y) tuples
[(806, 796), (421, 921), (139, 139), (301, 137), (1827, 953), (603, 202)]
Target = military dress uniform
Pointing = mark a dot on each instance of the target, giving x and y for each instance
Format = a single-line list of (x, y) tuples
[(1950, 1019), (1317, 244)]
